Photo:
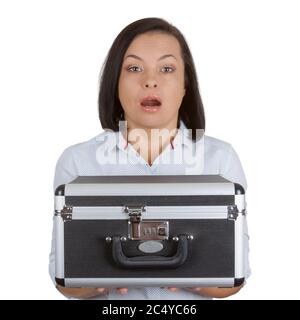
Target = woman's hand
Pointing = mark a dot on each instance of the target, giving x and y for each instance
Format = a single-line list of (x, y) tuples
[(197, 290), (87, 293), (212, 292)]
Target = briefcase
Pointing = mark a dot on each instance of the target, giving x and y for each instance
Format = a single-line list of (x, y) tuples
[(156, 230)]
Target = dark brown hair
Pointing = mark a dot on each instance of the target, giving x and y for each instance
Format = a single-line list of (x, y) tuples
[(191, 111)]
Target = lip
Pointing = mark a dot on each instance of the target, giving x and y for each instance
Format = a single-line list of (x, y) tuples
[(151, 109), (152, 97)]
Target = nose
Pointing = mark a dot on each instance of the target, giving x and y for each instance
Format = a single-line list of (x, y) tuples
[(150, 81), (150, 84)]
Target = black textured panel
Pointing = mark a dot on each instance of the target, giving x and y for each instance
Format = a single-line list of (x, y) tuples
[(88, 255), (191, 200)]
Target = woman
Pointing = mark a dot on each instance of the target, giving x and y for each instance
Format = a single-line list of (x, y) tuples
[(149, 83)]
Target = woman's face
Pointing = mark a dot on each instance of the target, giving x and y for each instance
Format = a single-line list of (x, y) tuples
[(152, 67)]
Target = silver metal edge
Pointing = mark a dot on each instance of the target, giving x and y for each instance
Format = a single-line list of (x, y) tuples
[(239, 237), (148, 282), (162, 212), (59, 202), (136, 189), (59, 248)]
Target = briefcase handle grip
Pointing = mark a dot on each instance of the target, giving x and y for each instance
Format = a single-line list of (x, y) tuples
[(150, 261)]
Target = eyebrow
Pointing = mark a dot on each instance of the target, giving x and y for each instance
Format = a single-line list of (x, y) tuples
[(162, 57)]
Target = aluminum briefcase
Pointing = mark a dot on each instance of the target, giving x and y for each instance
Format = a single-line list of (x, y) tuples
[(158, 230)]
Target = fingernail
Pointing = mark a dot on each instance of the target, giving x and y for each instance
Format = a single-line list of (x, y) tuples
[(123, 291), (172, 289)]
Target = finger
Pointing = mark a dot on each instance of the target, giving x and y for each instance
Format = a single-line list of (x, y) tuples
[(197, 289), (122, 290), (101, 290), (90, 293), (173, 289)]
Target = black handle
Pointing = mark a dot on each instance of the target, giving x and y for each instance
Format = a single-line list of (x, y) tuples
[(150, 261)]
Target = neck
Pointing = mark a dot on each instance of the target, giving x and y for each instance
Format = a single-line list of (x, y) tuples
[(150, 142)]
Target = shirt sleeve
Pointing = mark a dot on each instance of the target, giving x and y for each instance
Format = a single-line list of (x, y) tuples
[(65, 171), (232, 170)]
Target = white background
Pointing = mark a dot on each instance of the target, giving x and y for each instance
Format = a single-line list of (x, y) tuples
[(247, 59)]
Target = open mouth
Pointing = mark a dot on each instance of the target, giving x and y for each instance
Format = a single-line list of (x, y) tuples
[(151, 102)]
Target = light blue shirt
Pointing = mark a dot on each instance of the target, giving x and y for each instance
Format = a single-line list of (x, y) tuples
[(110, 154)]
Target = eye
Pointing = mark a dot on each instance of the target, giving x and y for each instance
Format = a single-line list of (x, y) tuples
[(131, 68), (168, 68)]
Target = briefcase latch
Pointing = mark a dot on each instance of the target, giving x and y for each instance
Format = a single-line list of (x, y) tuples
[(139, 229)]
